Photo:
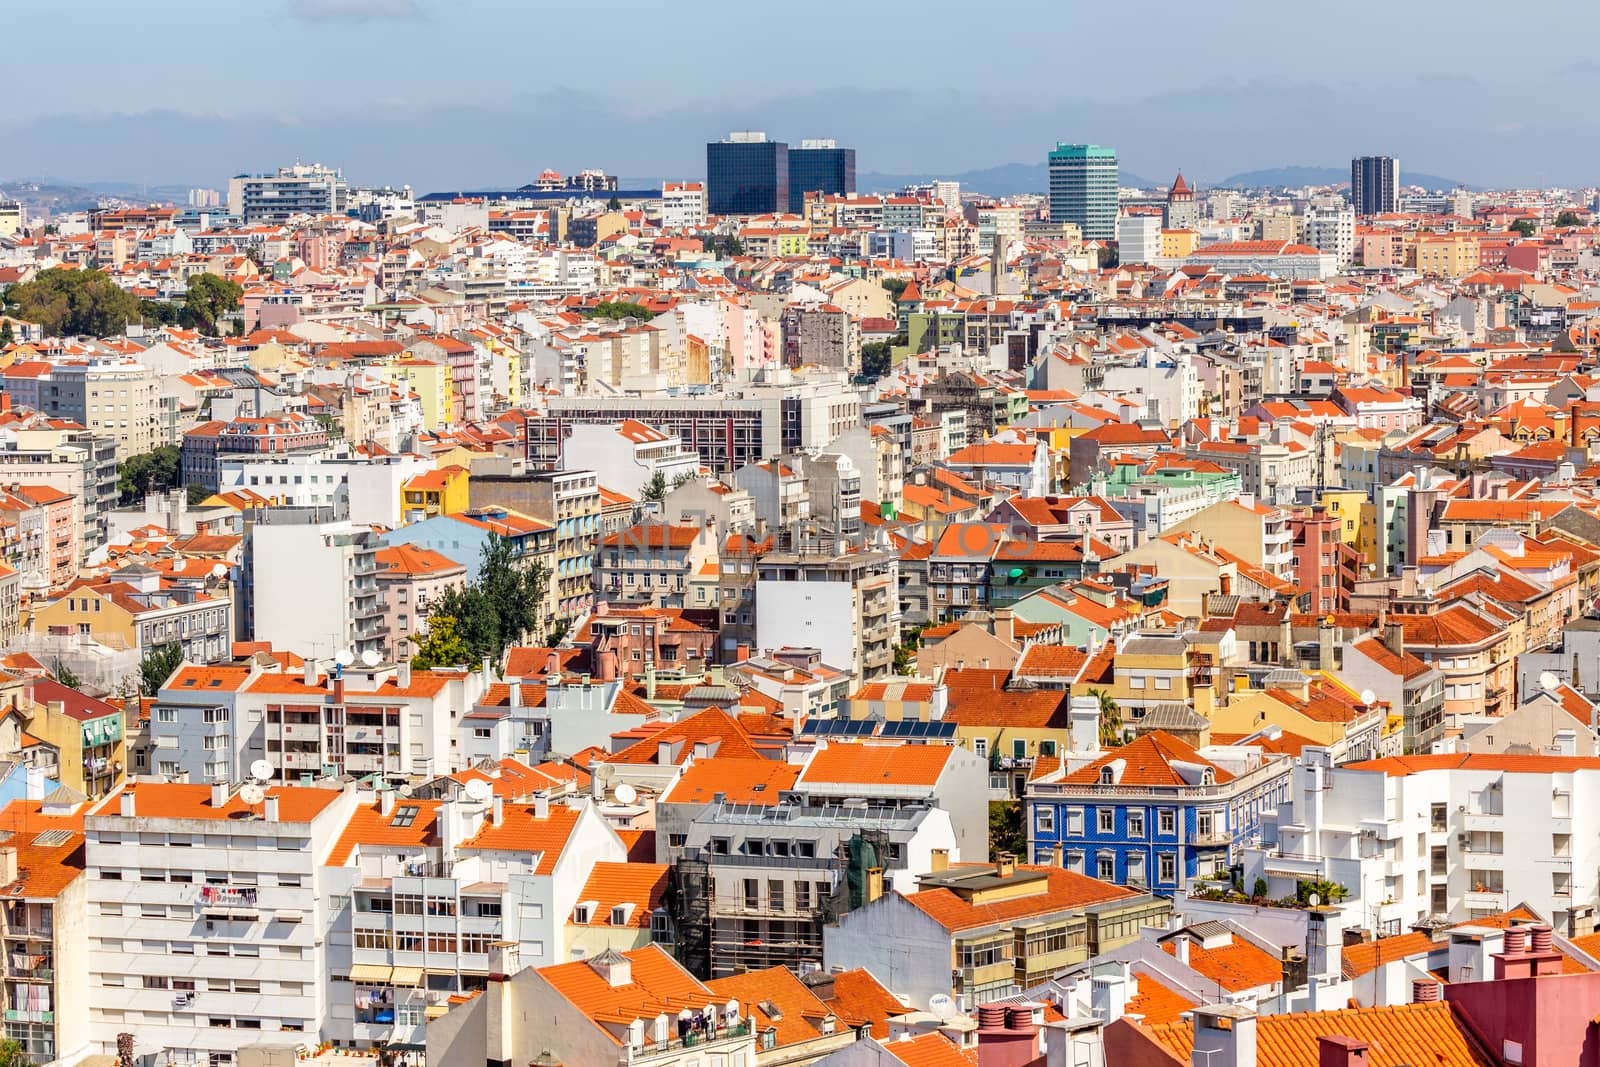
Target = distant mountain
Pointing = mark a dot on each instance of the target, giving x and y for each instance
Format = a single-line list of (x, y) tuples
[(1294, 177), (1008, 179)]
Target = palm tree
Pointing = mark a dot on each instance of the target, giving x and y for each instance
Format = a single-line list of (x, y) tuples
[(1110, 718)]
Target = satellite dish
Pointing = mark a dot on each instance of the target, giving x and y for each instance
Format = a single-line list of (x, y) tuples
[(405, 790), (1368, 697), (252, 794), (479, 790), (941, 1005), (626, 794), (1314, 900), (1549, 681), (344, 657), (219, 570), (262, 770), (605, 772), (371, 658)]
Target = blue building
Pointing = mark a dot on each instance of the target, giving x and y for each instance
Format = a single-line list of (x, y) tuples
[(1153, 813)]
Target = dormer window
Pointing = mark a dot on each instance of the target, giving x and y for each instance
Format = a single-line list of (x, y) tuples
[(1208, 777), (1106, 776)]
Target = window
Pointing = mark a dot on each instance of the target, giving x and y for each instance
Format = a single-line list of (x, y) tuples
[(404, 816), (1135, 824), (776, 895), (166, 715), (980, 746), (1044, 820), (1167, 821), (1074, 822), (677, 840), (155, 981), (1438, 819), (1167, 865), (1105, 820), (1105, 866)]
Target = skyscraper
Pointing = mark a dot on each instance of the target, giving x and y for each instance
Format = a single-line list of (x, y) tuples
[(820, 167), (1375, 185), (746, 174), (1083, 189)]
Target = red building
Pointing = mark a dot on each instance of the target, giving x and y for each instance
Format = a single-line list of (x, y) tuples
[(1325, 568)]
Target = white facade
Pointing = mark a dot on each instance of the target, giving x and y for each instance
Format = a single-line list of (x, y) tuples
[(1454, 836), (206, 925), (1332, 229), (627, 457), (683, 205), (362, 490), (1138, 238), (799, 614), (313, 588)]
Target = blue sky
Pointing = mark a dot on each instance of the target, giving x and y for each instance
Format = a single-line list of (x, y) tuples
[(461, 93)]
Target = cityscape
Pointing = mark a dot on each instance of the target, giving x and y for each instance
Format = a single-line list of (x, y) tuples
[(819, 604)]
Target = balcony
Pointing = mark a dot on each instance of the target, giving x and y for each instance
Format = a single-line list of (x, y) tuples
[(651, 1050), (1490, 900), (1293, 865), (1216, 838)]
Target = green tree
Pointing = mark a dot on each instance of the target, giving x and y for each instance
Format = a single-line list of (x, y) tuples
[(1110, 718), (1005, 828), (14, 1054), (67, 302), (613, 204), (1568, 218), (208, 299), (148, 472), (196, 493), (7, 336), (896, 286), (161, 312), (157, 666), (619, 309), (875, 360), (655, 490), (722, 244), (905, 653), (441, 646), (1525, 227), (503, 606), (65, 676)]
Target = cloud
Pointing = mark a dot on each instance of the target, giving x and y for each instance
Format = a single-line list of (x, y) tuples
[(354, 10)]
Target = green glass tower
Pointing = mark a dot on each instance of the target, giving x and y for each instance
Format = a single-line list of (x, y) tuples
[(1083, 189)]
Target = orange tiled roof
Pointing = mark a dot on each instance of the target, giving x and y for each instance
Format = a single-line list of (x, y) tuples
[(657, 985), (161, 800), (845, 763), (1066, 889), (1236, 966), (1399, 1036), (798, 1013), (741, 781), (1156, 1002), (370, 826), (523, 831), (613, 884), (860, 998)]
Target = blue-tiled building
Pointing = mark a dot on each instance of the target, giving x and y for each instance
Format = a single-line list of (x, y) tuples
[(1153, 813)]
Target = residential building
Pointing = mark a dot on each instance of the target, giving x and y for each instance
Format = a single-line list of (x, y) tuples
[(803, 599), (1375, 185), (311, 586), (410, 578), (301, 189), (683, 205)]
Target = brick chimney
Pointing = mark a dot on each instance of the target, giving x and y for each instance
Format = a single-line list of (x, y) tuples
[(1336, 1051), (1005, 865), (940, 860)]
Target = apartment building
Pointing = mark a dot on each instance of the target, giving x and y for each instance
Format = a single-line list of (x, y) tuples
[(206, 919), (42, 934), (408, 583), (435, 885), (1455, 836), (111, 397), (311, 586), (803, 599), (140, 609), (656, 564), (761, 866), (628, 456), (568, 501), (79, 463), (301, 189), (683, 205)]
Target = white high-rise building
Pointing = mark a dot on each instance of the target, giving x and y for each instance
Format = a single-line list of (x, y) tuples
[(1138, 238), (1332, 229), (683, 205)]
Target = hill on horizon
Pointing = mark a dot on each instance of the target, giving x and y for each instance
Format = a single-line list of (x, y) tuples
[(1293, 177)]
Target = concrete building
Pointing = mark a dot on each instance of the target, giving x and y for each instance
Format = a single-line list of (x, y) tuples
[(206, 918), (1138, 238), (115, 398), (683, 205), (303, 189), (310, 586), (1375, 185), (845, 604), (1083, 189)]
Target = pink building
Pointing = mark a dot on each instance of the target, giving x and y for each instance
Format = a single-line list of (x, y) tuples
[(409, 579)]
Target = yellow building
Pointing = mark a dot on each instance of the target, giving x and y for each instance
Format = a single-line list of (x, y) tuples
[(1447, 255), (442, 491), (85, 736), (430, 381), (1345, 505), (1177, 244)]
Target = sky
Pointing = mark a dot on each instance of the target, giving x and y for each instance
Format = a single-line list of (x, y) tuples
[(461, 94)]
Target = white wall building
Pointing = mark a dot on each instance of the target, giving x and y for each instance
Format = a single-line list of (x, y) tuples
[(683, 205), (1138, 238)]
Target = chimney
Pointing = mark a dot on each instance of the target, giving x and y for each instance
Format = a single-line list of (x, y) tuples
[(125, 806), (269, 809), (8, 865), (1005, 626), (219, 794), (1224, 1036), (514, 696), (500, 1023), (1516, 939), (402, 675), (874, 883), (1055, 854), (1423, 991), (1336, 1051), (541, 805), (1005, 865), (940, 860), (1325, 941), (650, 680), (488, 669), (311, 671), (1394, 637), (386, 801), (498, 817), (1180, 949), (1108, 997)]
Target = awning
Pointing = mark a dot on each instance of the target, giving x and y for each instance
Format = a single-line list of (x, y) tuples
[(375, 973), (435, 1011), (406, 976)]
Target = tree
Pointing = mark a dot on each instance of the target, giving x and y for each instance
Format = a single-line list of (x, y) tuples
[(65, 676), (1568, 218), (157, 666), (7, 336), (655, 490), (613, 204), (440, 646), (1525, 227), (896, 286), (148, 472), (502, 606), (14, 1054), (875, 360), (1110, 718), (196, 493), (905, 653), (208, 299), (66, 301), (1005, 828), (723, 245), (619, 309)]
